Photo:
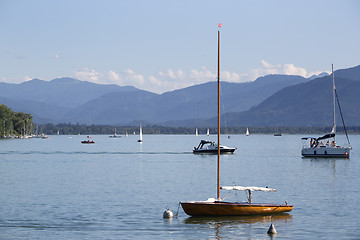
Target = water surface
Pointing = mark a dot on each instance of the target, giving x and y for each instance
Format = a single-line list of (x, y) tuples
[(117, 188)]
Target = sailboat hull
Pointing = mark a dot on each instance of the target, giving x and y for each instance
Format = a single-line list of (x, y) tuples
[(218, 208), (322, 152)]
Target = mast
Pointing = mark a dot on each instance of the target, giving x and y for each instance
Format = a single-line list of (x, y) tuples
[(218, 86), (333, 92)]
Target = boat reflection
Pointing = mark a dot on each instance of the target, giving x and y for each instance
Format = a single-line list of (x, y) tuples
[(225, 220), (222, 225)]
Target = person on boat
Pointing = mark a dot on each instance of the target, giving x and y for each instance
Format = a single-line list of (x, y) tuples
[(312, 143), (333, 143)]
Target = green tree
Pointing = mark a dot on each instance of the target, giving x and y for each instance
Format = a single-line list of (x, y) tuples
[(6, 116)]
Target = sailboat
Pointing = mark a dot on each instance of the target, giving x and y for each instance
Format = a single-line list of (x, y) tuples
[(196, 132), (115, 135), (219, 207), (207, 132), (140, 135), (314, 147), (247, 132)]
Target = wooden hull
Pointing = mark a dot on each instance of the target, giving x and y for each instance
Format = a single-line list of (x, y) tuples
[(232, 209)]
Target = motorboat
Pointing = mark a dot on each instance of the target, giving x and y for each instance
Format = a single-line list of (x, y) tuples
[(206, 146)]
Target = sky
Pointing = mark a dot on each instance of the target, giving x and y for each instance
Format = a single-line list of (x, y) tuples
[(163, 45)]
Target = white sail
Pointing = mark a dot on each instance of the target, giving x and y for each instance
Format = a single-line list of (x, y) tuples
[(247, 132), (208, 132), (196, 132), (140, 137), (241, 188)]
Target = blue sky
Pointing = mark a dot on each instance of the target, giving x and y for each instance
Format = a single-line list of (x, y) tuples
[(162, 45)]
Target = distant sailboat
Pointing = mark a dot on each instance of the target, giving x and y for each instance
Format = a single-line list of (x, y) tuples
[(140, 135), (115, 135), (196, 132), (247, 132), (208, 132)]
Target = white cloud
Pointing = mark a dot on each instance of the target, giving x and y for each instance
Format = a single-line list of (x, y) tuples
[(113, 76), (267, 68), (90, 75), (172, 79), (16, 79)]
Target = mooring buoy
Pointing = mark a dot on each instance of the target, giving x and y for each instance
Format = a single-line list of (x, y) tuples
[(168, 213), (272, 229)]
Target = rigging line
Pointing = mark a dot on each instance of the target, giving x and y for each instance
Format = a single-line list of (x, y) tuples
[(177, 213), (223, 109), (342, 118)]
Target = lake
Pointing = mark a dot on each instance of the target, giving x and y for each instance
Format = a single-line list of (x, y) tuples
[(117, 188)]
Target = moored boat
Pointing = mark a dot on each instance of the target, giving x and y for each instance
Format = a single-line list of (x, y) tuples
[(88, 141), (315, 147), (217, 206), (210, 147)]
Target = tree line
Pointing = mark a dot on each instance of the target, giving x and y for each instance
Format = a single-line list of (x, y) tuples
[(14, 124), (83, 129)]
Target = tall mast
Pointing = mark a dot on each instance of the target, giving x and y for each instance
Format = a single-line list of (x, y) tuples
[(218, 86), (333, 92)]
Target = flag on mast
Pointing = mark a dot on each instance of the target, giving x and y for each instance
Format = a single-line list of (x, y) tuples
[(220, 25)]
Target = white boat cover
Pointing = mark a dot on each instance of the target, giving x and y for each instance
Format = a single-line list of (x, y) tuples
[(241, 188)]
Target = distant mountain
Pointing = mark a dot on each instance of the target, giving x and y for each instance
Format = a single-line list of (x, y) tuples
[(307, 104), (273, 100), (63, 92), (323, 74), (51, 101), (199, 101)]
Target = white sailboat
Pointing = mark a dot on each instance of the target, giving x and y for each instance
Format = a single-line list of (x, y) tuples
[(140, 135), (196, 132), (219, 207), (208, 132), (247, 132), (314, 147)]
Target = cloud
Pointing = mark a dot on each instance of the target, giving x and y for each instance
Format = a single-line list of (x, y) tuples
[(113, 76), (267, 68), (172, 79), (90, 75), (16, 79)]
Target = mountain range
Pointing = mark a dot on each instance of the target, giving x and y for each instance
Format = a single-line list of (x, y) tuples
[(272, 100)]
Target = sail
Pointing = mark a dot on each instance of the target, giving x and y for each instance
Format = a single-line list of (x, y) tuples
[(140, 137), (326, 136), (241, 188)]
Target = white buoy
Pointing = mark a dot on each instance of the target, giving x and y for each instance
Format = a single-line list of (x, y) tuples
[(168, 213), (272, 229)]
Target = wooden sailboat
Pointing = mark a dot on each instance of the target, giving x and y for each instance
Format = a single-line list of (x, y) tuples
[(218, 207), (140, 135)]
